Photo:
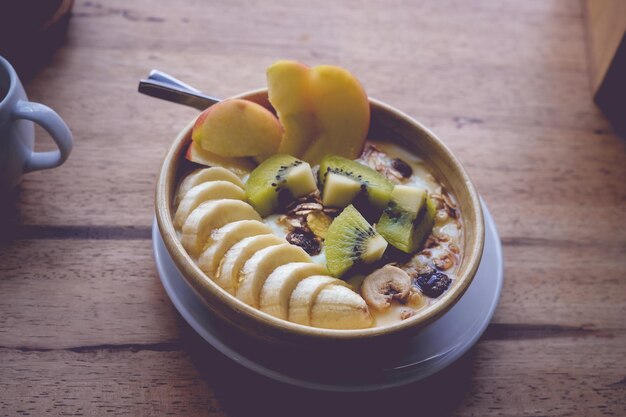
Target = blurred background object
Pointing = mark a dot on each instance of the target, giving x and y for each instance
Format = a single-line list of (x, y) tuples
[(31, 30), (606, 44)]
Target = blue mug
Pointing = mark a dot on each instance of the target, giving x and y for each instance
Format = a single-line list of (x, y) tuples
[(17, 131)]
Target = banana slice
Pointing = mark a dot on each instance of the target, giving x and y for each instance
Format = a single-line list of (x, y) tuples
[(256, 269), (213, 190), (205, 175), (338, 307), (227, 275), (303, 297), (212, 215), (275, 293), (224, 238)]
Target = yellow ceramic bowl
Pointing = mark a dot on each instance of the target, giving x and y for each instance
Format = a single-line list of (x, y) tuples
[(387, 123)]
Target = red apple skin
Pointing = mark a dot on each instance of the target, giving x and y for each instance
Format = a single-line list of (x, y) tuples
[(238, 128)]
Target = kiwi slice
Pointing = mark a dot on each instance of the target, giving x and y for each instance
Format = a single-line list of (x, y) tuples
[(408, 219), (351, 240), (277, 181), (343, 180)]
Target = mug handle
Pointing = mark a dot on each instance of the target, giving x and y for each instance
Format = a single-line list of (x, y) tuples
[(47, 118)]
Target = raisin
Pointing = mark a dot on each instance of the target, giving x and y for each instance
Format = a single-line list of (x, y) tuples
[(306, 240), (402, 167), (433, 284)]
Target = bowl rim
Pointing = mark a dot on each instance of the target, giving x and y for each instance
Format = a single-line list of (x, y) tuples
[(198, 279)]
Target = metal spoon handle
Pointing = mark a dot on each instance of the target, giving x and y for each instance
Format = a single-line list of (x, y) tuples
[(163, 77), (166, 87)]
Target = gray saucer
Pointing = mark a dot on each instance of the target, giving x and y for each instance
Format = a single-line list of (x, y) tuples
[(432, 349)]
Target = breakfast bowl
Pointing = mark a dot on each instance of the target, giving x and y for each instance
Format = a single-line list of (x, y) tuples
[(387, 124)]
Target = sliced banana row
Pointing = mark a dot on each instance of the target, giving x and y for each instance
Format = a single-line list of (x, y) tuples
[(242, 255)]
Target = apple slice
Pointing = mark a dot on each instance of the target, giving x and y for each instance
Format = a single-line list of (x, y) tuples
[(227, 275), (342, 113), (324, 110), (240, 166), (213, 190), (212, 215), (199, 176), (235, 127), (224, 238), (288, 91), (277, 289), (304, 295)]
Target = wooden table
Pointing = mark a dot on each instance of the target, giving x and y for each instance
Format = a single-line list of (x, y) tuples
[(85, 325)]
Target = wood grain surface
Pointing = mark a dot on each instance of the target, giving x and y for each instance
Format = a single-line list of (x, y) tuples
[(85, 325)]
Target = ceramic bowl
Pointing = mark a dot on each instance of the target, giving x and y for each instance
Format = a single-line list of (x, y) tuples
[(387, 123)]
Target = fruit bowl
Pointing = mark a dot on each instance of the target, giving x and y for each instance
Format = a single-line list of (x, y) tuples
[(388, 123)]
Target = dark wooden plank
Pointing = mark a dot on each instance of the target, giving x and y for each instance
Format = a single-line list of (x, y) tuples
[(556, 377), (70, 293)]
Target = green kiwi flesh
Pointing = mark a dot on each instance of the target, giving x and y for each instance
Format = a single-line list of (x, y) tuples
[(343, 179), (408, 219), (351, 240), (277, 181)]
